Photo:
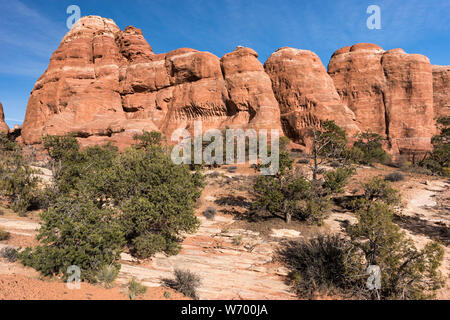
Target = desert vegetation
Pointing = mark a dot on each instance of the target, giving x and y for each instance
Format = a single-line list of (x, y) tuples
[(17, 181), (439, 159), (335, 265), (185, 282), (102, 202)]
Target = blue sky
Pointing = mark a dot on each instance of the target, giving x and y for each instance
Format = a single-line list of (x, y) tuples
[(31, 30)]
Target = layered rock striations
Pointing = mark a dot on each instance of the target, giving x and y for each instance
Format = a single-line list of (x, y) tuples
[(306, 94), (3, 126), (441, 89), (104, 84), (391, 93), (250, 89)]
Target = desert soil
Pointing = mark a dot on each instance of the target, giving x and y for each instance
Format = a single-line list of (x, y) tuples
[(235, 259)]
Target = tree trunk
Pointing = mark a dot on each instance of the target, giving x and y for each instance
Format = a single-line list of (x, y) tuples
[(316, 166)]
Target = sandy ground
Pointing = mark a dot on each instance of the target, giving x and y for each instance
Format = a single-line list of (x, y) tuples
[(20, 287), (234, 258)]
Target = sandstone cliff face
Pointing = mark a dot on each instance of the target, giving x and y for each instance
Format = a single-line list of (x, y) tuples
[(391, 93), (104, 84), (250, 89), (306, 93), (441, 87), (3, 126)]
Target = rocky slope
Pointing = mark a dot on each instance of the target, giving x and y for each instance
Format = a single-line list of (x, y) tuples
[(105, 84), (3, 126)]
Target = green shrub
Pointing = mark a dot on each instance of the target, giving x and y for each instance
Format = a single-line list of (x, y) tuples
[(323, 265), (439, 160), (406, 272), (210, 213), (329, 145), (107, 275), (10, 254), (185, 282), (147, 244), (157, 200), (148, 140), (395, 177), (380, 189), (4, 235), (314, 210), (136, 289), (336, 180), (290, 196), (18, 183), (108, 199), (75, 232), (368, 149), (334, 265)]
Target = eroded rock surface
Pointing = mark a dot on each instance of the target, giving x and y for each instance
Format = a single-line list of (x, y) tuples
[(104, 84), (3, 126), (441, 87), (306, 93), (391, 93)]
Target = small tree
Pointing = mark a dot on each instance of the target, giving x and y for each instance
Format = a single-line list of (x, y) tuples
[(156, 198), (76, 232), (379, 189), (280, 195), (368, 149), (148, 140), (406, 272), (439, 160), (102, 200), (18, 181), (329, 143), (289, 195)]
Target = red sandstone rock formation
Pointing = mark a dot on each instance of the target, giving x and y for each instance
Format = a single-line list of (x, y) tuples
[(391, 93), (3, 126), (250, 89), (306, 93), (441, 87), (104, 84)]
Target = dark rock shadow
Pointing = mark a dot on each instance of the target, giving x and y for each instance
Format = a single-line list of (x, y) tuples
[(422, 227)]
